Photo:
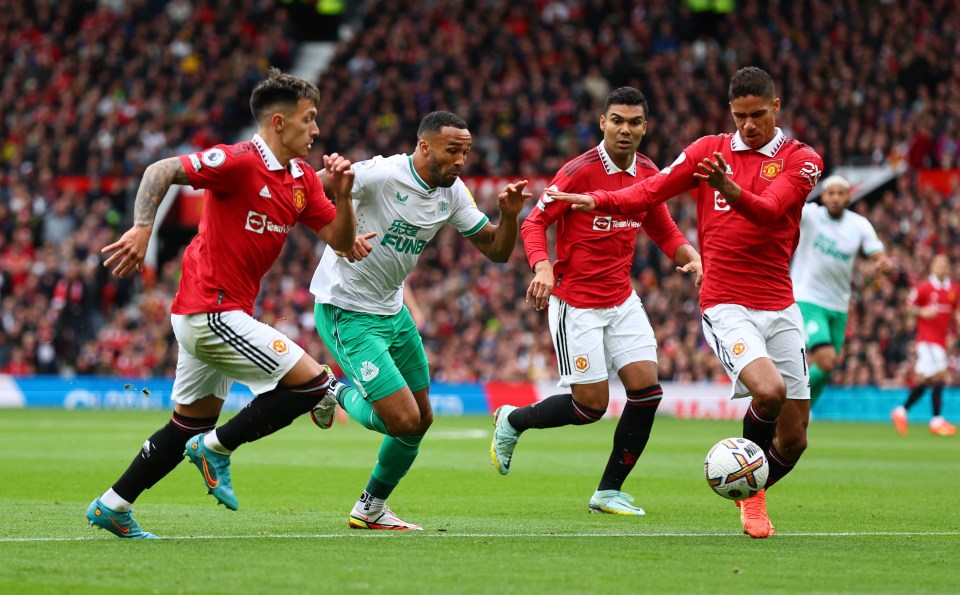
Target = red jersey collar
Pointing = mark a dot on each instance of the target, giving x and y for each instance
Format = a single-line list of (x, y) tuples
[(612, 167), (938, 284), (770, 149), (271, 161)]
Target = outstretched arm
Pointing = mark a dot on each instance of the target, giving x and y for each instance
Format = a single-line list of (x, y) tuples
[(642, 197), (496, 242), (128, 252), (577, 202)]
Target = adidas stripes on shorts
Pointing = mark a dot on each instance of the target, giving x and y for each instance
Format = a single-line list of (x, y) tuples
[(740, 335), (591, 341), (220, 347)]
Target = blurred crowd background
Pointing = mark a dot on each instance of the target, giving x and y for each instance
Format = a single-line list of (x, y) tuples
[(94, 91)]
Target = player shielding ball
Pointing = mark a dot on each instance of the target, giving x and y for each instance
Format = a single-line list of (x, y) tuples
[(750, 188)]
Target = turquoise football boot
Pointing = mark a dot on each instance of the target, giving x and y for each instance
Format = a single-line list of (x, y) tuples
[(120, 524), (215, 468)]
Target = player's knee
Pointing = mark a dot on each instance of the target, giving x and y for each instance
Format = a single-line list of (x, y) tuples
[(426, 420), (769, 396), (591, 399), (405, 424), (792, 445), (593, 407)]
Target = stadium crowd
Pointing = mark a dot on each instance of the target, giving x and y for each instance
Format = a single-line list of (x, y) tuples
[(94, 91)]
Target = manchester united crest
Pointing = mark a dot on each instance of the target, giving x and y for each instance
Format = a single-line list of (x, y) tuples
[(299, 198), (771, 169), (581, 363), (279, 346), (739, 348)]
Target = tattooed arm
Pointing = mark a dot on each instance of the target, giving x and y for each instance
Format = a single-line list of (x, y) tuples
[(130, 249)]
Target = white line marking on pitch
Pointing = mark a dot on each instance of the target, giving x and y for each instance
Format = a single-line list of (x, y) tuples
[(389, 534), (460, 434)]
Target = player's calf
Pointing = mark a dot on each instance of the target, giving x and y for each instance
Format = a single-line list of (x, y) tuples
[(273, 410)]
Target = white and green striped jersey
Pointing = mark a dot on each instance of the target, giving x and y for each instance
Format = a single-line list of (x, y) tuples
[(822, 266), (392, 200)]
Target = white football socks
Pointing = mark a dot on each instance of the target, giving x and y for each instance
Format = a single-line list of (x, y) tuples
[(114, 502), (211, 441)]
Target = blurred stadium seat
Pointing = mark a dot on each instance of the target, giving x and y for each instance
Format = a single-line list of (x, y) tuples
[(94, 91)]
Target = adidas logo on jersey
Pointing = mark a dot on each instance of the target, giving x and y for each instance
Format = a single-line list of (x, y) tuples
[(265, 192)]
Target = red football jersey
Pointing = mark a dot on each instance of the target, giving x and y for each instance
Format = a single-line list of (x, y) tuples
[(595, 250), (943, 295), (250, 202), (746, 247)]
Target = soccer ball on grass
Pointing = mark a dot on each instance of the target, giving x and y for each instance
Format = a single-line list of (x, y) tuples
[(736, 468)]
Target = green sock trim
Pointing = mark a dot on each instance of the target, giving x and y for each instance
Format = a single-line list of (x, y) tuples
[(378, 489)]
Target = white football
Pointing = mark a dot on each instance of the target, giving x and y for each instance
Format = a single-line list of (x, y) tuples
[(736, 468)]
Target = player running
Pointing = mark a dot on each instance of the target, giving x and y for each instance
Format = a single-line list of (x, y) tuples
[(401, 203), (255, 191), (934, 302), (831, 237), (750, 188), (596, 318)]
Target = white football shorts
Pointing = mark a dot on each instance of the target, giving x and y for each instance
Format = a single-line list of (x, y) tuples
[(220, 347), (589, 342), (931, 359), (740, 335)]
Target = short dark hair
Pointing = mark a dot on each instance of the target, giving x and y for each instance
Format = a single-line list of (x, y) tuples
[(753, 81), (434, 122), (280, 90), (626, 96)]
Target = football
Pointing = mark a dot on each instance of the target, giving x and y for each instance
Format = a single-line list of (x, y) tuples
[(736, 468)]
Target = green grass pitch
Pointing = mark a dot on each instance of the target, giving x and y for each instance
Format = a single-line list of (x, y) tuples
[(865, 511)]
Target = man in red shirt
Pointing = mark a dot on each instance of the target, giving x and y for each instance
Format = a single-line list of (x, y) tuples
[(596, 318), (255, 192), (934, 303), (750, 188)]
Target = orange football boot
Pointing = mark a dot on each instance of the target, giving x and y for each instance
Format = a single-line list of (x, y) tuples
[(941, 427), (899, 417), (753, 516)]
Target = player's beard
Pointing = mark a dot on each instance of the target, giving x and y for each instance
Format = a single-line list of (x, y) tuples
[(443, 178)]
